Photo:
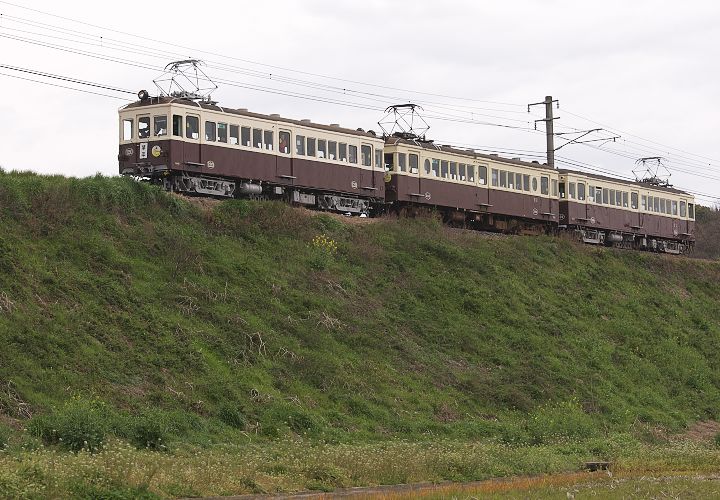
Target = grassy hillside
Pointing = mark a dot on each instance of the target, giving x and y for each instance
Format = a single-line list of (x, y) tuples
[(159, 318), (707, 233)]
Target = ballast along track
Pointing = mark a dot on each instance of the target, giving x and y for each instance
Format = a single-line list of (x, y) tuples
[(199, 148)]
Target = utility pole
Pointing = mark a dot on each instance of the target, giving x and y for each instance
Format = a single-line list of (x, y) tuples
[(549, 131)]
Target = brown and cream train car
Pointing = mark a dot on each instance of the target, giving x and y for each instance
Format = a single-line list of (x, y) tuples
[(206, 149), (484, 190), (627, 214)]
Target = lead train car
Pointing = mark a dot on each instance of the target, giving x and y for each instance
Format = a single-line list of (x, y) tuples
[(206, 149)]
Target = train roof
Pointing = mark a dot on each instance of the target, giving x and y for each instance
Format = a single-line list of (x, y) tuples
[(154, 101), (638, 184), (430, 145)]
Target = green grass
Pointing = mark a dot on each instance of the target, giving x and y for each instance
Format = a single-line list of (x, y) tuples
[(223, 323)]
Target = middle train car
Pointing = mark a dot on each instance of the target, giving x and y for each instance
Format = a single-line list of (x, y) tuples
[(484, 191)]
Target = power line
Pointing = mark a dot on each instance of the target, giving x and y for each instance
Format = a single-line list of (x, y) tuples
[(63, 86)]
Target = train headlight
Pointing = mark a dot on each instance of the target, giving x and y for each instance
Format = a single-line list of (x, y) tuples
[(129, 152)]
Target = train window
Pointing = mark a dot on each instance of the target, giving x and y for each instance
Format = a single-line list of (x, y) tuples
[(662, 205), (143, 127), (177, 125), (127, 129), (352, 153), (668, 207), (591, 193), (342, 156), (503, 178), (581, 191), (611, 200), (571, 190), (555, 187), (378, 158), (625, 199), (656, 203), (453, 170), (427, 166), (494, 177), (511, 180), (544, 188), (633, 201), (234, 135), (414, 160), (444, 169), (245, 136), (332, 150), (518, 182), (618, 198), (644, 202), (436, 167), (674, 208), (526, 182), (534, 184), (471, 173), (691, 211), (311, 146), (562, 190), (160, 125), (482, 175), (389, 166), (192, 127), (300, 145), (268, 136), (210, 131), (257, 138), (366, 155), (402, 162), (605, 196), (322, 149), (222, 132), (284, 142), (461, 172), (682, 209)]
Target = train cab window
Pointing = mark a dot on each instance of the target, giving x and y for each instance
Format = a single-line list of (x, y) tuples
[(534, 184), (581, 191), (234, 135), (544, 188), (495, 181), (526, 182), (402, 162), (453, 170), (257, 138), (311, 146), (683, 213), (300, 145), (192, 127), (633, 201), (143, 127), (691, 211), (245, 136), (554, 184), (482, 176), (444, 169), (160, 125), (674, 207), (127, 129), (284, 142), (436, 167), (414, 163), (625, 199), (378, 158), (322, 149), (210, 131), (352, 153), (471, 173), (511, 180), (389, 165), (562, 190), (571, 191), (605, 196), (342, 156), (268, 137), (332, 150), (503, 178), (222, 132), (656, 203), (177, 125), (366, 155), (427, 166)]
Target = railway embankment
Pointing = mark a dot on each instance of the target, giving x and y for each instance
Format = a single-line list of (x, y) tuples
[(311, 353)]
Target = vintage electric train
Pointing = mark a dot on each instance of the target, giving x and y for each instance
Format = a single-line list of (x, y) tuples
[(201, 148)]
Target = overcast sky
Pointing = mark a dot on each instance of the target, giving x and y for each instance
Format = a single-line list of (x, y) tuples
[(645, 70)]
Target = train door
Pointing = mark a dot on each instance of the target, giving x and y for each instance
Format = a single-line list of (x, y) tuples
[(191, 146), (368, 168), (283, 165), (636, 217), (482, 193)]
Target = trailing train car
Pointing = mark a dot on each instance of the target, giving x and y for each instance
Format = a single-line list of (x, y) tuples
[(634, 215), (485, 191), (201, 148)]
